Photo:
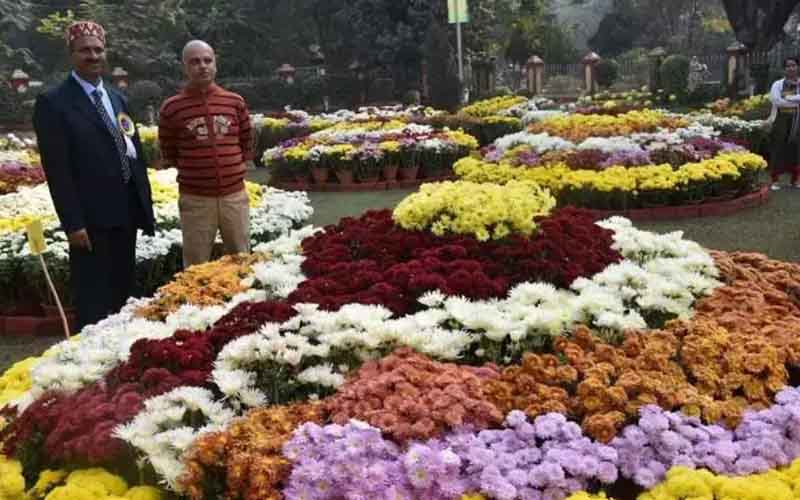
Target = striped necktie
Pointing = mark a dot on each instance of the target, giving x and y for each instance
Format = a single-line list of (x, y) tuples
[(122, 149)]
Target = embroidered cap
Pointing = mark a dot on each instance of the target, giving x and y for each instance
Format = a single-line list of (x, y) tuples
[(81, 29)]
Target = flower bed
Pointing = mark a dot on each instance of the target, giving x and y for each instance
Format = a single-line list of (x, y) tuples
[(639, 362), (614, 103), (273, 212), (364, 152), (688, 165), (579, 127), (490, 119), (753, 108)]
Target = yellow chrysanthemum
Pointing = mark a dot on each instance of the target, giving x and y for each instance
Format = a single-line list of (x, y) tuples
[(487, 211), (12, 483)]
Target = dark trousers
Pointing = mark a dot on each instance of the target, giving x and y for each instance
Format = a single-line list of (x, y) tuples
[(102, 280)]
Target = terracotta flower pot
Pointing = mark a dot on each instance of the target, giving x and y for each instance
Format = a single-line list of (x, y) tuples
[(408, 173), (390, 172), (345, 177), (320, 175)]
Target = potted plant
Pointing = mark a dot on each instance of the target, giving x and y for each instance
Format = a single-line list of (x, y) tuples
[(409, 162), (368, 161), (391, 159), (338, 161)]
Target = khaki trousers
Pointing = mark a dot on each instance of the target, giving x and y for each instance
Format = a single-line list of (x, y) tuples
[(202, 216)]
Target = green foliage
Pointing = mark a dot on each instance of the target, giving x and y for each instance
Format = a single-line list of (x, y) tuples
[(15, 108), (616, 34), (518, 50), (607, 72), (674, 75), (445, 89), (55, 24), (141, 94), (705, 94)]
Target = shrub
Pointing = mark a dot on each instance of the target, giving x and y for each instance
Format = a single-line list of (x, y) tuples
[(15, 108), (142, 93), (607, 72), (674, 73)]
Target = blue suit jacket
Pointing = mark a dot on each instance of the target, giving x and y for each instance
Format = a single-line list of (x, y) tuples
[(81, 162)]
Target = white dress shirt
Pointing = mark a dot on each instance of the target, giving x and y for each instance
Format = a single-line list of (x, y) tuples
[(89, 88)]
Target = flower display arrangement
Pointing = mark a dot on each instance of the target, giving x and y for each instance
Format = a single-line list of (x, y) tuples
[(369, 360), (19, 164), (753, 108), (686, 165), (148, 135), (16, 174), (22, 285), (578, 127), (365, 151), (752, 134), (490, 119), (614, 103)]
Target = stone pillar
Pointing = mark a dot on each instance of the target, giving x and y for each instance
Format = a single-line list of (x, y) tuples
[(535, 75), (20, 80), (119, 77), (656, 56), (738, 77), (484, 77), (589, 80), (286, 73)]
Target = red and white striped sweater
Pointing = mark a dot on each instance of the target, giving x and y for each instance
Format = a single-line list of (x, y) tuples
[(207, 135)]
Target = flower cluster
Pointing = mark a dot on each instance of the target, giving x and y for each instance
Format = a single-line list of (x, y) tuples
[(93, 483), (12, 482), (273, 213), (16, 380), (598, 153), (312, 352), (547, 458), (578, 127), (79, 426), (759, 300), (16, 174), (661, 440), (372, 261), (604, 385), (619, 187), (483, 210), (494, 106), (752, 107), (168, 426), (246, 460), (364, 147), (613, 103), (409, 396), (685, 482), (210, 284)]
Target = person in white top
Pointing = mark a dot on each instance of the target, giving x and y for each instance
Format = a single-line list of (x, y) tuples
[(785, 119)]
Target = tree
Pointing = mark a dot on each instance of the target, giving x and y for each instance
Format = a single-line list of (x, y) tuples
[(15, 17), (518, 49), (617, 33), (758, 24), (445, 89)]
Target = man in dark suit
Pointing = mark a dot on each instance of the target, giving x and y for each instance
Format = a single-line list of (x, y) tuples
[(93, 161)]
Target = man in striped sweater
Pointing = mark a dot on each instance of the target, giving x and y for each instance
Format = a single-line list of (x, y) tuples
[(205, 132)]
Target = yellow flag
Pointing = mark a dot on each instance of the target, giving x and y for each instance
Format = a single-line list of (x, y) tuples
[(36, 237)]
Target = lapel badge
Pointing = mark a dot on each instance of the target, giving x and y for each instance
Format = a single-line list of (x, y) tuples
[(126, 124)]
